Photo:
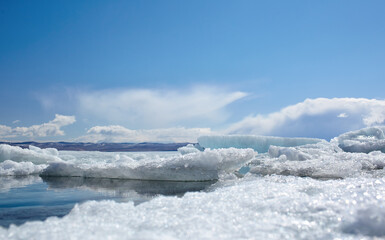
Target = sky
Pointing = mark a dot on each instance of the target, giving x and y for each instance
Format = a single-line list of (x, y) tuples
[(170, 71)]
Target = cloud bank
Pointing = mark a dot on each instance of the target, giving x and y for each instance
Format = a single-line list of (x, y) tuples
[(146, 108), (320, 117), (52, 128), (116, 133)]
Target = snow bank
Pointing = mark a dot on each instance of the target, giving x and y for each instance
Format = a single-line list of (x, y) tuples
[(260, 144), (364, 140)]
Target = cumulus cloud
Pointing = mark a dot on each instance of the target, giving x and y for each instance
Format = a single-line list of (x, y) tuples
[(146, 108), (116, 133), (320, 117), (52, 128)]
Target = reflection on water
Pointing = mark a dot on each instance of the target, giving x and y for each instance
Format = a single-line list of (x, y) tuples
[(34, 198), (122, 187), (9, 182)]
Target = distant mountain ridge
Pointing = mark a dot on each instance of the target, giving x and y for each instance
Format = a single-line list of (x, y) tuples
[(102, 147)]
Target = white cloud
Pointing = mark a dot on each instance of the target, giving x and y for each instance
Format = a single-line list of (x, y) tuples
[(116, 133), (315, 118), (16, 121), (342, 115), (52, 128), (146, 108)]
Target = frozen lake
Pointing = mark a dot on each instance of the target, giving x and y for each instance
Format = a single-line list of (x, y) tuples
[(298, 189)]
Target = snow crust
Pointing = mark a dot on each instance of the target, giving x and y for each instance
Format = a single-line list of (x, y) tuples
[(271, 207), (260, 144), (364, 140)]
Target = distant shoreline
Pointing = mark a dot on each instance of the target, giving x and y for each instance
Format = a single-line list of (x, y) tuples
[(102, 147)]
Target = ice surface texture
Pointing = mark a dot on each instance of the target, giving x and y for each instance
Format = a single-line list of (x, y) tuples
[(11, 168), (321, 160), (198, 166), (260, 144), (271, 207), (364, 140), (194, 165), (33, 154), (17, 161)]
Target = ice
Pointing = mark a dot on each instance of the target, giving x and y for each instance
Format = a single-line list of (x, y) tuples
[(198, 166), (189, 148), (321, 160), (260, 144), (11, 168), (363, 140), (295, 189), (194, 165), (271, 207), (17, 161), (290, 153), (33, 154)]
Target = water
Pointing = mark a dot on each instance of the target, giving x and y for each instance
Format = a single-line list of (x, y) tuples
[(31, 198)]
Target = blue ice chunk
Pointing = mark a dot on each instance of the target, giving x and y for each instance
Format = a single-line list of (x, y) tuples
[(260, 144)]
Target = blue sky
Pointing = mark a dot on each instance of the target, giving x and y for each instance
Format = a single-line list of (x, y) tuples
[(146, 66)]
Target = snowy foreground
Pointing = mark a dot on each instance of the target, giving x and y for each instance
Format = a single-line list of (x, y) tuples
[(291, 189)]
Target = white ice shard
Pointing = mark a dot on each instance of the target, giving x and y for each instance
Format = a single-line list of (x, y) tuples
[(260, 144), (364, 140)]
